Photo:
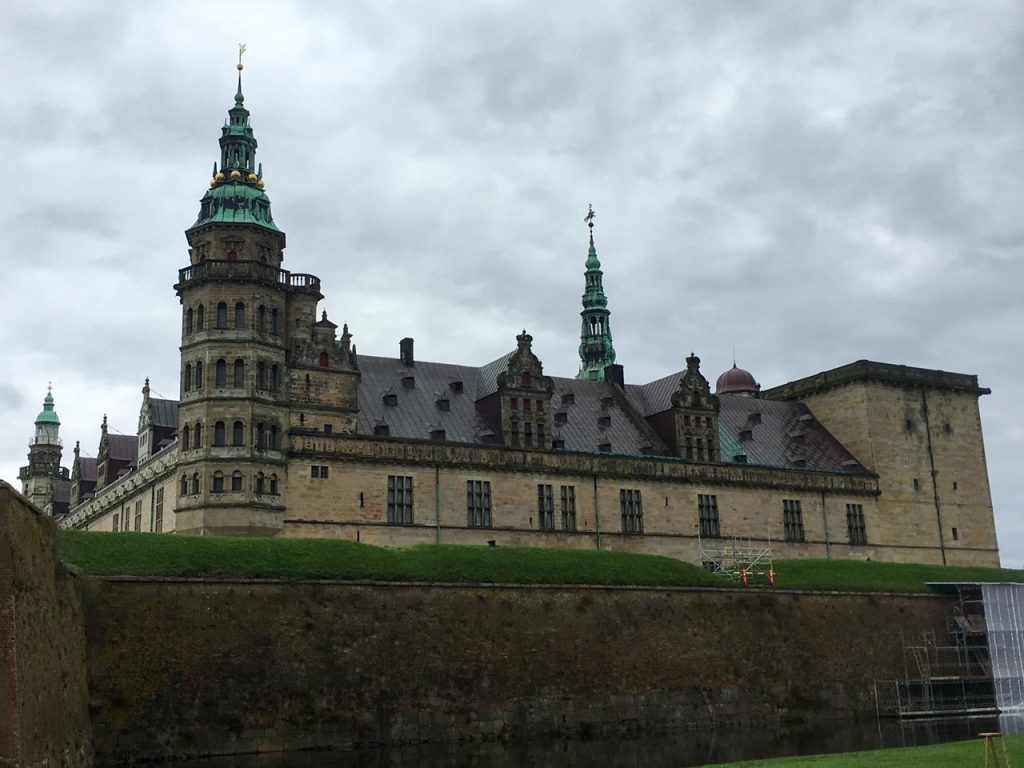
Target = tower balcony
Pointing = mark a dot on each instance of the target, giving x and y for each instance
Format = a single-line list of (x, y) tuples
[(250, 271)]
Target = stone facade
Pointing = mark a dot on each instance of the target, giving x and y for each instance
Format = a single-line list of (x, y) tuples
[(281, 429)]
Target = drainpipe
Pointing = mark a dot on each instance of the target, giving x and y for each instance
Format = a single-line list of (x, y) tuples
[(824, 517), (437, 503), (935, 479), (597, 515)]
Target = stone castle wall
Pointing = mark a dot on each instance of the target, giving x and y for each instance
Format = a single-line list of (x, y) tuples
[(44, 719), (191, 667)]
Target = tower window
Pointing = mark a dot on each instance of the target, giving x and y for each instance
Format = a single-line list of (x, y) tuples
[(237, 434), (188, 320), (236, 481), (187, 382), (239, 374), (197, 435), (273, 437), (260, 483), (199, 374), (195, 484), (261, 375), (274, 378), (239, 315), (200, 317), (222, 315), (261, 319), (273, 485), (222, 373), (273, 321), (184, 437), (260, 436), (219, 436), (183, 491), (218, 482)]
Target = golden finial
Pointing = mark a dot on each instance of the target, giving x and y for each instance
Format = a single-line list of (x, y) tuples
[(241, 50)]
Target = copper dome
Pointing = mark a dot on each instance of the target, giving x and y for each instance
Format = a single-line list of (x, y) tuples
[(736, 381)]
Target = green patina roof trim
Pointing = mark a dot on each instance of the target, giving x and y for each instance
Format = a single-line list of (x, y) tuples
[(48, 415)]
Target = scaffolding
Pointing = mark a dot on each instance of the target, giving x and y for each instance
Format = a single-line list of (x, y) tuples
[(740, 560)]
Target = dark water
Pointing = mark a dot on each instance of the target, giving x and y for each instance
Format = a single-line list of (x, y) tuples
[(688, 749)]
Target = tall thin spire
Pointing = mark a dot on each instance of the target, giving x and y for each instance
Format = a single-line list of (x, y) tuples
[(596, 350)]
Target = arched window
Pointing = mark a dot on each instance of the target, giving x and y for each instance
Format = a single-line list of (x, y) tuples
[(273, 437), (274, 378), (325, 360), (218, 482), (195, 483), (185, 433), (261, 319), (187, 381), (184, 486), (260, 436), (259, 482), (273, 485), (219, 438), (237, 434), (261, 375), (222, 315), (239, 315), (273, 321), (200, 317), (199, 374), (239, 374), (236, 481), (222, 374), (188, 320), (197, 435)]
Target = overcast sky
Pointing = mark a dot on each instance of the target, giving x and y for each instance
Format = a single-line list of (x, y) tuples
[(808, 183)]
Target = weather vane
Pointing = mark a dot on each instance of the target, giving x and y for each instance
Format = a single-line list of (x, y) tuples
[(589, 218), (241, 50)]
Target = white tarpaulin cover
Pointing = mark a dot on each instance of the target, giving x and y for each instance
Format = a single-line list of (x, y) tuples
[(1004, 619)]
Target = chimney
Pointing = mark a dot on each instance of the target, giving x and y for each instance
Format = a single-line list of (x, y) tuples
[(615, 375), (405, 352)]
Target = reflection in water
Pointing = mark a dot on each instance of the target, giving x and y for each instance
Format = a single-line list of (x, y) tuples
[(687, 749)]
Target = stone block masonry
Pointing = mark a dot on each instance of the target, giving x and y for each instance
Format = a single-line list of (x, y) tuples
[(192, 667), (44, 719)]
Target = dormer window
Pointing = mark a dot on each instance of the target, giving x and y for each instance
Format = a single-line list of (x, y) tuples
[(437, 434), (444, 404), (607, 402), (409, 382), (568, 398), (605, 447), (390, 398), (456, 387), (604, 421), (558, 445), (561, 417), (746, 435), (381, 430), (525, 379)]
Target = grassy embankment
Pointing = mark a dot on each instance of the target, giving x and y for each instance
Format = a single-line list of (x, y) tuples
[(135, 554), (957, 754)]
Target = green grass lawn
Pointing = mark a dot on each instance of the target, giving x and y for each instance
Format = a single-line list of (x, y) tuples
[(135, 554), (957, 754)]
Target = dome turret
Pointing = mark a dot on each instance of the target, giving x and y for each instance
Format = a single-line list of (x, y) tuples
[(737, 381)]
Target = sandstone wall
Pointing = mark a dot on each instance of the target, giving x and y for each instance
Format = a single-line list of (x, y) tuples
[(44, 718), (193, 667)]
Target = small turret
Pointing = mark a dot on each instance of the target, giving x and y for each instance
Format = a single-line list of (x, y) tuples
[(44, 456), (596, 350)]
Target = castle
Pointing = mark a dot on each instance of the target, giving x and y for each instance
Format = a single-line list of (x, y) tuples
[(282, 429)]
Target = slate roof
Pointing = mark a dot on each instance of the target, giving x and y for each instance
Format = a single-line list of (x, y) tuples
[(589, 416), (87, 468), (163, 413), (124, 447)]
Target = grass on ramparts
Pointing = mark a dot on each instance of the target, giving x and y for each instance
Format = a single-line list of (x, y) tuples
[(957, 754), (134, 554)]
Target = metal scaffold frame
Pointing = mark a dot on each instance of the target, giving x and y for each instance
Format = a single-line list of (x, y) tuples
[(738, 559)]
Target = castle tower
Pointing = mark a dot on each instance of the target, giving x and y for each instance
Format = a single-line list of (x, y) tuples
[(44, 454), (596, 350), (240, 313)]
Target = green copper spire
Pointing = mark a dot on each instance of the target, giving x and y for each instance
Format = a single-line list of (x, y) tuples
[(236, 193), (48, 415), (596, 350)]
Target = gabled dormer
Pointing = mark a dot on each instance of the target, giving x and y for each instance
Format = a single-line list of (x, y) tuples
[(525, 397), (695, 411)]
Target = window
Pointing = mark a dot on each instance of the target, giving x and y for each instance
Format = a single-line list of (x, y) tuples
[(195, 483), (956, 534), (239, 374), (199, 374), (540, 435), (526, 405), (707, 514), (325, 360), (117, 522), (261, 375), (917, 484), (219, 436), (222, 315), (188, 320), (236, 481), (260, 437), (274, 378), (239, 315), (540, 406), (545, 508), (197, 435), (187, 383), (273, 484), (200, 317), (184, 437), (273, 321), (260, 482), (222, 374), (478, 503), (328, 429), (528, 434), (218, 482), (855, 524), (689, 447), (158, 511), (184, 486), (261, 319), (632, 508), (138, 516), (238, 434), (273, 437), (568, 494), (792, 520), (318, 471), (399, 500), (514, 433), (515, 403)]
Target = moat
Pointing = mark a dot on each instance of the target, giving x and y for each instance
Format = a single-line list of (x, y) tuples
[(609, 751)]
